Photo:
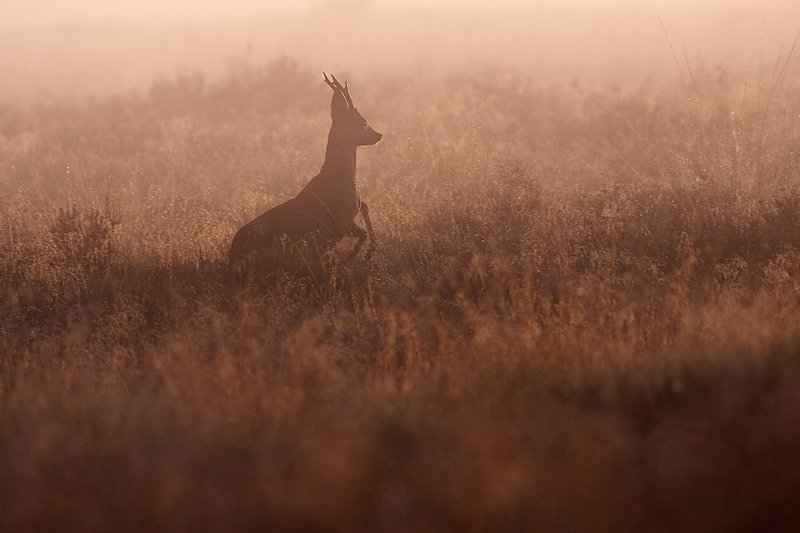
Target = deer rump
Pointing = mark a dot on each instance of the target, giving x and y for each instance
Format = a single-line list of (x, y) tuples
[(292, 237)]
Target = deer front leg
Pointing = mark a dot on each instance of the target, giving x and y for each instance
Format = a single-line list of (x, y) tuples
[(356, 231), (368, 223)]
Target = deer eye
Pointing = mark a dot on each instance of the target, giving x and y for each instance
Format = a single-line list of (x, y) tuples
[(364, 124)]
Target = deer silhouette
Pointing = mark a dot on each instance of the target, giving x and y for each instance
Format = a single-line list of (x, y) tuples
[(323, 213)]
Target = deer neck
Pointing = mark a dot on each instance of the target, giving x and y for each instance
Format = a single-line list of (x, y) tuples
[(340, 158)]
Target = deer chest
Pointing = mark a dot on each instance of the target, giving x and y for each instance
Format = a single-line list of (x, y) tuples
[(337, 204), (343, 206)]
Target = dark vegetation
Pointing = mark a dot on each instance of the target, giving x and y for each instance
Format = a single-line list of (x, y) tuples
[(583, 315)]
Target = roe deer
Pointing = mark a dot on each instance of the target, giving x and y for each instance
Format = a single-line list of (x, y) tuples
[(323, 212)]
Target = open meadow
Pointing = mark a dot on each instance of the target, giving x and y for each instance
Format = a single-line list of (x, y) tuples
[(583, 313)]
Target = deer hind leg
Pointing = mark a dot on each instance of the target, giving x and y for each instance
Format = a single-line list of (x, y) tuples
[(368, 223)]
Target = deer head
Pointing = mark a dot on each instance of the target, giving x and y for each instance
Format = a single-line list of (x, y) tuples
[(347, 121)]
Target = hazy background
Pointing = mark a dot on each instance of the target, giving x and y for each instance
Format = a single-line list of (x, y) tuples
[(587, 221), (59, 49)]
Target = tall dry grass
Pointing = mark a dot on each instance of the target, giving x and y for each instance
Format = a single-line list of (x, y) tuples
[(583, 314)]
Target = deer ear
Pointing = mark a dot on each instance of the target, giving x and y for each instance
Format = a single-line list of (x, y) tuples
[(338, 105)]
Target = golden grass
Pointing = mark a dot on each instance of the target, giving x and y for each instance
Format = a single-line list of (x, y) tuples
[(584, 314)]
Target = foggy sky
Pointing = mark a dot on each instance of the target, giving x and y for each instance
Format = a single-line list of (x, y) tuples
[(26, 13), (56, 48)]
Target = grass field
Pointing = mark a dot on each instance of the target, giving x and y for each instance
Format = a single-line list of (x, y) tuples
[(584, 313)]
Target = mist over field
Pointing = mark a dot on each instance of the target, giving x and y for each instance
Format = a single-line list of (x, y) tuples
[(580, 309), (67, 49)]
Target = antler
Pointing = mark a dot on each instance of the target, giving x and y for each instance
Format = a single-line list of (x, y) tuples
[(336, 86)]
